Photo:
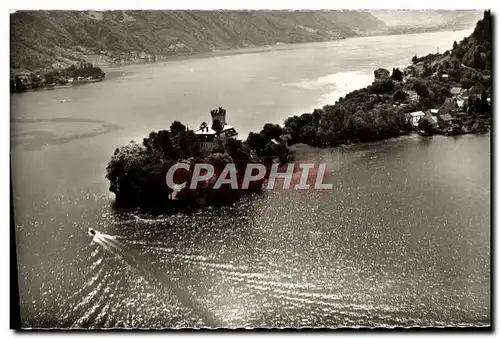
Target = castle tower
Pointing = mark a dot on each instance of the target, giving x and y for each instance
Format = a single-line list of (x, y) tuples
[(219, 114), (219, 129)]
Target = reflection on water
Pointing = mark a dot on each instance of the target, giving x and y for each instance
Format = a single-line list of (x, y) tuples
[(403, 239)]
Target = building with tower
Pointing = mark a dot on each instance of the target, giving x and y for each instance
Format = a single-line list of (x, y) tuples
[(219, 129)]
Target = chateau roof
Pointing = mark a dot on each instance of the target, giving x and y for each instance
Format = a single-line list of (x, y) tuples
[(206, 131), (209, 131)]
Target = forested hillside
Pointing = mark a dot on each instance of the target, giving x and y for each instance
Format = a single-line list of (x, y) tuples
[(60, 38)]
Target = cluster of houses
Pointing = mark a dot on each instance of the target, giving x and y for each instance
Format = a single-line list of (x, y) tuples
[(451, 113), (76, 80), (33, 81), (433, 116)]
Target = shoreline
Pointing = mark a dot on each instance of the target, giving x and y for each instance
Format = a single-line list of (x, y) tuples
[(251, 49), (430, 83), (279, 46), (55, 87), (258, 49)]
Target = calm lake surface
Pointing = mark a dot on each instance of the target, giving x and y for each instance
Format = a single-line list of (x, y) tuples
[(402, 239)]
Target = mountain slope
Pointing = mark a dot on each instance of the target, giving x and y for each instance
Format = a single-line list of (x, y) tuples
[(58, 38), (428, 18)]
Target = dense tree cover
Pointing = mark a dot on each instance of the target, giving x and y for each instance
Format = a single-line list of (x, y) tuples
[(468, 62), (137, 171), (425, 58), (16, 85), (270, 142), (40, 38), (478, 105), (372, 113), (83, 70)]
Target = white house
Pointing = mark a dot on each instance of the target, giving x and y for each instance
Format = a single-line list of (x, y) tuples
[(415, 117)]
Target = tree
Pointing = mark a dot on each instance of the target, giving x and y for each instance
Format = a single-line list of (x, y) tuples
[(218, 146), (478, 107), (397, 74), (489, 60), (487, 28), (160, 142), (399, 95), (466, 82), (49, 78), (177, 127), (425, 126), (414, 59), (485, 107), (381, 74), (307, 134), (479, 31), (383, 87), (35, 80), (420, 87), (19, 86), (427, 70), (455, 45), (256, 142), (477, 60), (271, 131), (187, 144), (470, 106), (238, 151), (124, 170)]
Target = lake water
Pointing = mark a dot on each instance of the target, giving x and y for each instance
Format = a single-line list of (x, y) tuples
[(402, 239)]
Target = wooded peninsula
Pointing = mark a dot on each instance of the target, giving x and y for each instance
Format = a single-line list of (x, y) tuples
[(448, 93)]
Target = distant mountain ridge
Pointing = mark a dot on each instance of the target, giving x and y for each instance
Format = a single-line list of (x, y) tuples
[(428, 18), (58, 38)]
